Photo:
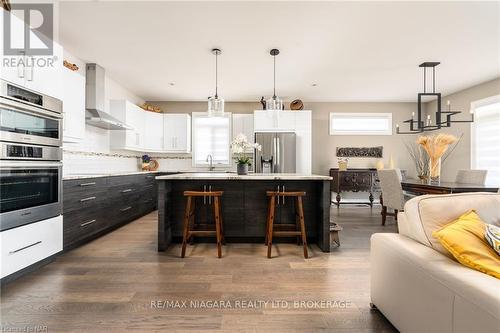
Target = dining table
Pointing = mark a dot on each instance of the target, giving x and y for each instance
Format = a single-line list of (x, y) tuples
[(419, 187)]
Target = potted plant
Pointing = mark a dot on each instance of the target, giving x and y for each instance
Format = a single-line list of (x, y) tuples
[(146, 160), (239, 145)]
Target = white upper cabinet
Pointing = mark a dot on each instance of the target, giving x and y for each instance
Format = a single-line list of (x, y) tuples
[(177, 133), (274, 121), (153, 131), (131, 115), (46, 75), (243, 123), (74, 103), (13, 68), (42, 73)]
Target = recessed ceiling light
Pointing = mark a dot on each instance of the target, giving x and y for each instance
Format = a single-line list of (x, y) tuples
[(172, 84), (314, 85)]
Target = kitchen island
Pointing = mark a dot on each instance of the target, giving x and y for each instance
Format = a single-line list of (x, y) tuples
[(244, 205)]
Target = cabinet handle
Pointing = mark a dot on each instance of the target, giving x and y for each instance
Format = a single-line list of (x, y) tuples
[(86, 184), (127, 190), (204, 197), (278, 190), (21, 68), (87, 223), (87, 199), (30, 77), (125, 209), (25, 247), (148, 200), (283, 196)]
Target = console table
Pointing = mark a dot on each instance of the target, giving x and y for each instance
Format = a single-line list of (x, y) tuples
[(354, 180)]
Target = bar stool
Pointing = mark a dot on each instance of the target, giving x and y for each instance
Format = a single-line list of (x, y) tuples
[(299, 227), (189, 216)]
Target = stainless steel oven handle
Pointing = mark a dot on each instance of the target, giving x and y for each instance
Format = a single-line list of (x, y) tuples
[(24, 108), (87, 199), (29, 165), (25, 247)]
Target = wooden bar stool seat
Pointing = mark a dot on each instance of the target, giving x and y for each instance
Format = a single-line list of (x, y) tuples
[(298, 229), (189, 219)]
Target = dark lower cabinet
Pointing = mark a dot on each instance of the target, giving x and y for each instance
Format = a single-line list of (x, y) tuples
[(94, 206)]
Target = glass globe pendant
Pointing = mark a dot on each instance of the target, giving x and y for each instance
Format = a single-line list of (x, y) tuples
[(274, 103), (216, 104)]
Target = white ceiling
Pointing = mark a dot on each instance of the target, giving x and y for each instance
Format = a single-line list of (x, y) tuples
[(353, 51)]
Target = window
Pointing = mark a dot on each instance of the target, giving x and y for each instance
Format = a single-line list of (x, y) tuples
[(211, 136), (360, 123), (485, 138)]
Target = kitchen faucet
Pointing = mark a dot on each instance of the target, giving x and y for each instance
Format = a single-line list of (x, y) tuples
[(210, 160)]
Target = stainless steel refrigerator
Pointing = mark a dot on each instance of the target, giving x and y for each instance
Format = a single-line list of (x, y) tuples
[(277, 154)]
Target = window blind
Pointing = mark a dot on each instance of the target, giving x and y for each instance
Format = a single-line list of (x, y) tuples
[(211, 136), (486, 140)]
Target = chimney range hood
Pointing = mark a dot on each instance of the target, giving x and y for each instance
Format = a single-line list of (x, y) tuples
[(95, 102)]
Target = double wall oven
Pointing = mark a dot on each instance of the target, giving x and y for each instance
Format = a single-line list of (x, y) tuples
[(30, 156)]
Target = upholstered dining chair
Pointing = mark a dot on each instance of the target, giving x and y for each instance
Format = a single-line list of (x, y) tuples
[(471, 176), (392, 192)]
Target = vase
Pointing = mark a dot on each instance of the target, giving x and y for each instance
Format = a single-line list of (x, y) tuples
[(434, 170), (242, 169)]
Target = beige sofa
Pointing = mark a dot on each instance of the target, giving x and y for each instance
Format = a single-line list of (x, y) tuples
[(418, 286)]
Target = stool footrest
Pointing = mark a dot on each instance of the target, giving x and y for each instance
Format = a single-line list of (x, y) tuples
[(286, 233), (202, 233)]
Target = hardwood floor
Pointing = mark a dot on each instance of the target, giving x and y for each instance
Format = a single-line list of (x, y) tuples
[(118, 283)]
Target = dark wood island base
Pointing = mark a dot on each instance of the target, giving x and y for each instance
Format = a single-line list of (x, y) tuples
[(244, 205)]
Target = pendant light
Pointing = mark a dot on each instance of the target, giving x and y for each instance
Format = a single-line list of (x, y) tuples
[(274, 103), (443, 117), (216, 104)]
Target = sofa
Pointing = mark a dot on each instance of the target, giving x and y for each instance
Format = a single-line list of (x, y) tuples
[(418, 285)]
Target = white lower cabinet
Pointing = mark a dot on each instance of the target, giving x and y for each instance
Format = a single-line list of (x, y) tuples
[(28, 244)]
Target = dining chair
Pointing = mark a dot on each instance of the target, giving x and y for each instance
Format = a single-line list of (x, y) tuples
[(392, 193), (471, 177)]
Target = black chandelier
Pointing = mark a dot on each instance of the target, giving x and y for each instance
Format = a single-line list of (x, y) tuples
[(418, 125)]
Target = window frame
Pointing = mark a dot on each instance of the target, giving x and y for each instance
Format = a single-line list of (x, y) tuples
[(194, 116), (473, 106), (386, 115)]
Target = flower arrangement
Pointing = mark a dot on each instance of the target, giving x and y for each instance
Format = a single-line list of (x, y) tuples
[(239, 145), (436, 147), (146, 158)]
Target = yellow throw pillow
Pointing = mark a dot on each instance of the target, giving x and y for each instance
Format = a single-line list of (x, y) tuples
[(464, 238)]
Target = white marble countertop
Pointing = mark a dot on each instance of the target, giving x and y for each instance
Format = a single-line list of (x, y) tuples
[(98, 175), (250, 176)]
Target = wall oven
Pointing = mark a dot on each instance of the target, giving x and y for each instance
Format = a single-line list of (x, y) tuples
[(29, 117), (31, 191), (30, 156)]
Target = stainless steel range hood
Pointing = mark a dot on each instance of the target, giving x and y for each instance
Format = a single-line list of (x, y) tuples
[(95, 102)]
